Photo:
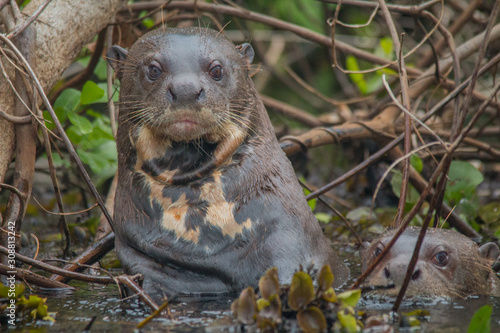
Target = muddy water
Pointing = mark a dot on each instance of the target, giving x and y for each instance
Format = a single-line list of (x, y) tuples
[(212, 314)]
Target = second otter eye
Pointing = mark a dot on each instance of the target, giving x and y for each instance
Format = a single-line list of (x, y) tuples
[(377, 252), (441, 258), (154, 72), (215, 71)]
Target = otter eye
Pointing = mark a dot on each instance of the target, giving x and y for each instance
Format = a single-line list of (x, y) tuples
[(440, 259), (154, 72), (377, 252), (216, 71)]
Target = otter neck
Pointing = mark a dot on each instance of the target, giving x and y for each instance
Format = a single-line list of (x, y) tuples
[(179, 163)]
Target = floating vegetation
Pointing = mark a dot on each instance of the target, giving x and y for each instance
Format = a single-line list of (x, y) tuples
[(315, 309)]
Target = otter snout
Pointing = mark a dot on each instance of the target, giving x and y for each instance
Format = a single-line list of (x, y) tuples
[(396, 272), (185, 90)]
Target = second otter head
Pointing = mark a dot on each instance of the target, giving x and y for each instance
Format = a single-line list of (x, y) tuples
[(183, 84), (449, 264)]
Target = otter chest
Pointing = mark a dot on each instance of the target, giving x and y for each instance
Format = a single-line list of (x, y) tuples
[(190, 211)]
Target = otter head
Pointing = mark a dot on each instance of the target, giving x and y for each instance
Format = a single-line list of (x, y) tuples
[(184, 84), (449, 264)]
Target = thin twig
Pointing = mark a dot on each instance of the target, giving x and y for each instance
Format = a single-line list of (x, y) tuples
[(29, 21)]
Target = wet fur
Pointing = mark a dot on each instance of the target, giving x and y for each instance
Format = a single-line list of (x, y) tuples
[(221, 230)]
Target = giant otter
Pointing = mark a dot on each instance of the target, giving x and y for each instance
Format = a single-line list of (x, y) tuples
[(206, 200), (449, 264)]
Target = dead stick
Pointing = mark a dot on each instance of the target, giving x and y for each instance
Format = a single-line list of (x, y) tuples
[(126, 280), (28, 276), (53, 269), (91, 255)]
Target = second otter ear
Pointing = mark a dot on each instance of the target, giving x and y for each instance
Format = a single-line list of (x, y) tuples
[(246, 52), (490, 251), (116, 57)]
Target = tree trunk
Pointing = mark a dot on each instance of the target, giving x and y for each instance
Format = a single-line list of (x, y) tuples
[(62, 29)]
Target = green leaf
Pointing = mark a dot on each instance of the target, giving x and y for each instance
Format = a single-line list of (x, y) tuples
[(357, 78), (5, 291), (323, 217), (74, 134), (104, 99), (301, 291), (311, 203), (348, 321), (270, 309), (412, 195), (68, 101), (480, 322), (417, 163), (350, 297), (34, 302), (42, 311), (311, 320), (490, 214), (108, 150), (262, 303), (329, 296), (418, 313), (83, 124), (101, 70), (91, 92), (325, 278), (360, 215), (386, 45), (148, 22), (463, 180)]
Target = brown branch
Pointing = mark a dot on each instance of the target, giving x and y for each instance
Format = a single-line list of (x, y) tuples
[(3, 3), (315, 137), (25, 134), (336, 212), (458, 24), (405, 96), (113, 111), (437, 173), (56, 270), (28, 276), (91, 255), (291, 111), (268, 20), (129, 282), (28, 22), (477, 66), (15, 119), (414, 10), (55, 184)]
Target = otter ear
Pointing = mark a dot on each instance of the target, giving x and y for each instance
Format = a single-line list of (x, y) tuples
[(246, 52), (489, 251), (116, 57)]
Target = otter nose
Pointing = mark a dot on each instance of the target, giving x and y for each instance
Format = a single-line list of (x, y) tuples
[(397, 272), (185, 91)]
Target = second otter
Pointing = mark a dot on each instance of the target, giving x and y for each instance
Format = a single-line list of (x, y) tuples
[(206, 200), (449, 264)]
